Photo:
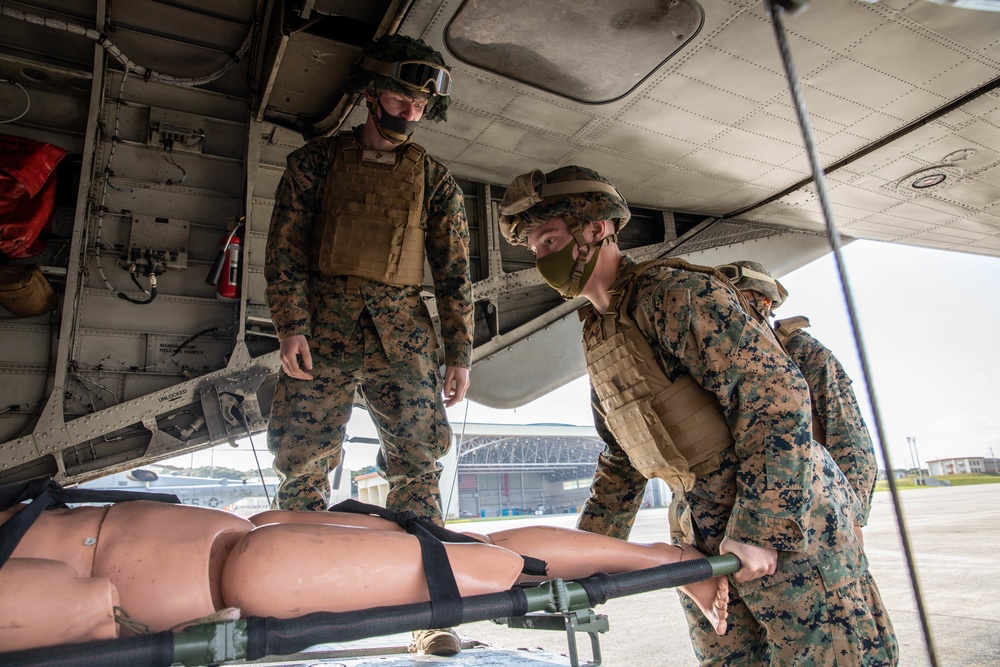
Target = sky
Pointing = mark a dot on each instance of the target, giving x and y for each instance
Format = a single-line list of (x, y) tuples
[(930, 327)]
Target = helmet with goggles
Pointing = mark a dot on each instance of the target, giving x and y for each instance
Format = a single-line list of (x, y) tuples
[(578, 194), (407, 66), (752, 276)]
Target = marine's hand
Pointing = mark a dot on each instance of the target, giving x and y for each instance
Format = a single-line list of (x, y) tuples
[(456, 383), (755, 561), (291, 349)]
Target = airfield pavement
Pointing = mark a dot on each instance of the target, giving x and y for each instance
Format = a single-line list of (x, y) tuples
[(954, 535)]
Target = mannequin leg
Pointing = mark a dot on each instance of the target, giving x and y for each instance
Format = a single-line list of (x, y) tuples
[(45, 603), (290, 569), (572, 554)]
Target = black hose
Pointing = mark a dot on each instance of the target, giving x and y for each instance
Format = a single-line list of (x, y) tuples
[(145, 650), (275, 636), (603, 587)]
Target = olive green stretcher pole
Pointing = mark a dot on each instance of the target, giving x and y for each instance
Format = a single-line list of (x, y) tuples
[(284, 637), (256, 637)]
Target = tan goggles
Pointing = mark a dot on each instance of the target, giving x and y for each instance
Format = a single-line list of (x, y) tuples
[(417, 74), (735, 273)]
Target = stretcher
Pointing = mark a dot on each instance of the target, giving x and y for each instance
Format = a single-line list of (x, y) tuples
[(328, 637), (555, 604)]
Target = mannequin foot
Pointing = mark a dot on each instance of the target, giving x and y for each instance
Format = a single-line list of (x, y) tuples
[(711, 595)]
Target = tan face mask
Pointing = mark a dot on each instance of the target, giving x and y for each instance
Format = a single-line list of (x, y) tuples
[(566, 274)]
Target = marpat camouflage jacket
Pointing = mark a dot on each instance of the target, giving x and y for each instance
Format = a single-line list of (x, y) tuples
[(778, 496), (303, 301), (835, 407)]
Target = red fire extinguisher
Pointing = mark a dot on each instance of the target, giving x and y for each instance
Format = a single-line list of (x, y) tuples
[(225, 271), (228, 288)]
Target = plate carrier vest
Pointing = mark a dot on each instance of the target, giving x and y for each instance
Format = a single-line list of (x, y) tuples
[(671, 430), (370, 225)]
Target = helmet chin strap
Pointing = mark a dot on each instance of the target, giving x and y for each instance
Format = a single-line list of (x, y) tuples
[(394, 129), (586, 255)]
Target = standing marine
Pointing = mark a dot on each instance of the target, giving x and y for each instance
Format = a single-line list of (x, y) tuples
[(837, 420), (698, 393), (356, 217)]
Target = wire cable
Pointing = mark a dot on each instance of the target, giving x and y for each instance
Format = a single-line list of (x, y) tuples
[(130, 67), (253, 448), (27, 99), (775, 11), (102, 208), (458, 453)]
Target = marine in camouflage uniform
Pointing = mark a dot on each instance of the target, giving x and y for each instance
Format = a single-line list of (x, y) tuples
[(837, 419), (774, 488), (617, 490), (364, 333)]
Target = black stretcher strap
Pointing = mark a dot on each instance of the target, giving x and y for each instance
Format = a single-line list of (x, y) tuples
[(46, 493), (532, 566), (446, 601)]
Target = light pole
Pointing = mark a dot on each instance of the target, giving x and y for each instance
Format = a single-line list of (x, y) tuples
[(916, 457)]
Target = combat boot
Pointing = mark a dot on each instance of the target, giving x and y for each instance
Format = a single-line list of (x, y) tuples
[(443, 641)]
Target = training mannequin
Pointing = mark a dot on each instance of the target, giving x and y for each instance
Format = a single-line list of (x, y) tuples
[(170, 564), (72, 609), (164, 560)]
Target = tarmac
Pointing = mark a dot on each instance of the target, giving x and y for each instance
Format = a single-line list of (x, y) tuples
[(954, 535)]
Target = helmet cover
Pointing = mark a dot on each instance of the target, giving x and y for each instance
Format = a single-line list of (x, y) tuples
[(392, 49), (575, 193), (747, 275)]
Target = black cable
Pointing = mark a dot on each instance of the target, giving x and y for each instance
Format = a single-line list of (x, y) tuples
[(775, 10), (135, 281), (139, 302), (253, 448), (193, 338)]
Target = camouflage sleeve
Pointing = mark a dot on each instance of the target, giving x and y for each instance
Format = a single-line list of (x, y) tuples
[(699, 322), (447, 246), (286, 258), (836, 409), (616, 492)]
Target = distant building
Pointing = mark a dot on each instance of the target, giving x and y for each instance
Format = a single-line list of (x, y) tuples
[(515, 470), (372, 488), (510, 470), (963, 466)]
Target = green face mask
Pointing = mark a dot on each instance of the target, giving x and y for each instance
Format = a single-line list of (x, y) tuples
[(566, 274)]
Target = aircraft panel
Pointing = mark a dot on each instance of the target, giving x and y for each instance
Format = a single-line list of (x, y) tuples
[(980, 34), (213, 106), (693, 191), (506, 137)]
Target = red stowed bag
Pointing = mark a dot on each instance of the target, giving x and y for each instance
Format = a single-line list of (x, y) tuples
[(27, 193)]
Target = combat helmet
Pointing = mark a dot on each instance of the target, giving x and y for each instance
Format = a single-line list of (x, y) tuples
[(404, 65), (578, 194), (752, 276)]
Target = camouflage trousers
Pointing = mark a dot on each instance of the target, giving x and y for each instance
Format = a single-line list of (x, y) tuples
[(309, 419), (799, 621), (822, 610)]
